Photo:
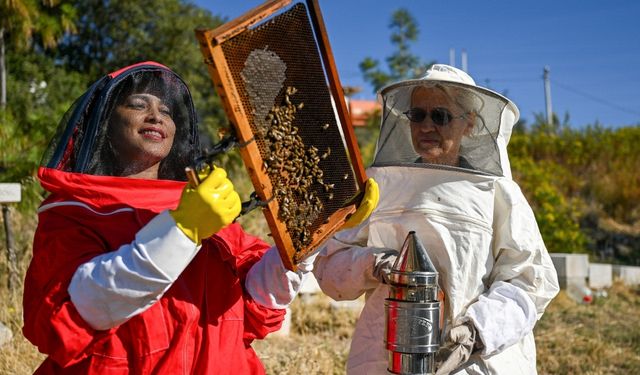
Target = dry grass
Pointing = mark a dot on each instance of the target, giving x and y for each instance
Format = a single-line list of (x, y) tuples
[(19, 356), (602, 338), (318, 342)]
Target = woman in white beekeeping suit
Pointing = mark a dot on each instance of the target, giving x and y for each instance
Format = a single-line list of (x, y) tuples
[(442, 168)]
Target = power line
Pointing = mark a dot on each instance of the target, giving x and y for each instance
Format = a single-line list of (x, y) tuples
[(595, 98), (566, 87), (515, 80)]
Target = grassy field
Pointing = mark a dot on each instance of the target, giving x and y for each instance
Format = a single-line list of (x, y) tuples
[(600, 338)]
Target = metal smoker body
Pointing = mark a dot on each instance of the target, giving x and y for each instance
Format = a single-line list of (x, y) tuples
[(412, 311)]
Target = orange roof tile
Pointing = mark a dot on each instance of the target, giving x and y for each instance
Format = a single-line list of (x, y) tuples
[(361, 110)]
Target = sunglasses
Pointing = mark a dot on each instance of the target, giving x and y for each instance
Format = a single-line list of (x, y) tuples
[(439, 116)]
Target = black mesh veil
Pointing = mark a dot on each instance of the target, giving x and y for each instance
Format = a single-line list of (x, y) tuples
[(82, 143)]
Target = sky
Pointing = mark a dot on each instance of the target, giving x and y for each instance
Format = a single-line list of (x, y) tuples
[(591, 48)]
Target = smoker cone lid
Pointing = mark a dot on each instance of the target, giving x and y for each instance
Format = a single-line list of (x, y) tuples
[(413, 266)]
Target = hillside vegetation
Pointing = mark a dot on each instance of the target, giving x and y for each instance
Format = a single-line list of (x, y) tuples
[(584, 186)]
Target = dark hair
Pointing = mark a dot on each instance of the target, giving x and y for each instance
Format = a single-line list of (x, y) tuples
[(174, 93)]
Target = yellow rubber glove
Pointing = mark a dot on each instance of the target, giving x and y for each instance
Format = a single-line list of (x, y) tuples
[(207, 208), (367, 205)]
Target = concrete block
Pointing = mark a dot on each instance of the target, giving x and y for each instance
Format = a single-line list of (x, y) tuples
[(565, 282), (629, 275), (571, 265), (600, 275)]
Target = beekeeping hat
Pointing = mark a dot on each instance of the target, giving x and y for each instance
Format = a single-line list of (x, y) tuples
[(81, 143), (484, 149)]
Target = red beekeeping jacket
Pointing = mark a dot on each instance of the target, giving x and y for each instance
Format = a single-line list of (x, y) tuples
[(204, 323)]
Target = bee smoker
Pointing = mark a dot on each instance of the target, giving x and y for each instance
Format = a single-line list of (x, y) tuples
[(412, 311)]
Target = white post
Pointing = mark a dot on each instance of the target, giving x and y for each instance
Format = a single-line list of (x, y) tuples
[(452, 57), (547, 95), (10, 193), (463, 57)]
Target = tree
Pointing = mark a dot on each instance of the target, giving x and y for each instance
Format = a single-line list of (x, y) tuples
[(402, 64), (24, 20), (15, 23), (108, 35), (55, 19), (116, 33)]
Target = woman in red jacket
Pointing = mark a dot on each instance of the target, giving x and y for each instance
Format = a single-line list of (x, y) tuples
[(133, 270)]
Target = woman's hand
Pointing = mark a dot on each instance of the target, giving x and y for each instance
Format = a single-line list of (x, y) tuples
[(367, 205), (207, 208), (461, 341)]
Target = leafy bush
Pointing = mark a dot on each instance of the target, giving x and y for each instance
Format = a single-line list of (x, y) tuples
[(556, 215), (572, 176)]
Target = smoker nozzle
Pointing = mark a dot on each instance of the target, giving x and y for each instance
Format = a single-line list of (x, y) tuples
[(413, 257), (413, 267)]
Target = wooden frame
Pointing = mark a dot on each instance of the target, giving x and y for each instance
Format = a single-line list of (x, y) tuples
[(211, 42)]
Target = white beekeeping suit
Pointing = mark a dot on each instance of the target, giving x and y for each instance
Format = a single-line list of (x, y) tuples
[(474, 221)]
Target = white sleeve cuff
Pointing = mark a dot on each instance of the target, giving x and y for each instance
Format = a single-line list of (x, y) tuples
[(271, 285), (502, 317), (112, 287), (166, 245)]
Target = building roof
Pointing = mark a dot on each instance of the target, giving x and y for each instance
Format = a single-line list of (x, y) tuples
[(361, 110)]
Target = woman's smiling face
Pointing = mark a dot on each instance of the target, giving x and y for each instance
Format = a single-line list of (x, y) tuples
[(141, 134)]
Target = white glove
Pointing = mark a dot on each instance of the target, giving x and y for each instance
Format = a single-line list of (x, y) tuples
[(382, 263), (459, 344), (271, 284)]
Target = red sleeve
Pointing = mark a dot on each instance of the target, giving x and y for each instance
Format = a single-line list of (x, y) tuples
[(242, 252), (51, 321)]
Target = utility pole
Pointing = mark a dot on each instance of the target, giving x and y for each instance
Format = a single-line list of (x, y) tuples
[(547, 95)]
